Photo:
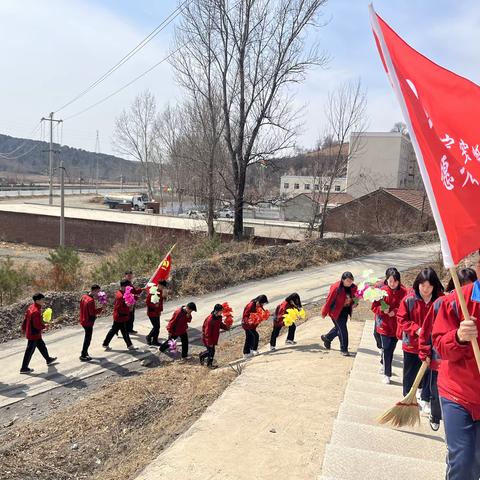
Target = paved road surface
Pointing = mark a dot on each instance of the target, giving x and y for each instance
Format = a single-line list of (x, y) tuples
[(312, 284)]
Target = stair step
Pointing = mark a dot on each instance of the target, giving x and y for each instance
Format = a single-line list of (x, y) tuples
[(373, 389), (386, 440), (353, 463)]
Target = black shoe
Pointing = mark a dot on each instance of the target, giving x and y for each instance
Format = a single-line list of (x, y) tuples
[(85, 358), (434, 424), (133, 332), (149, 341), (51, 360), (26, 370), (212, 367), (155, 343), (345, 353), (202, 360), (326, 342)]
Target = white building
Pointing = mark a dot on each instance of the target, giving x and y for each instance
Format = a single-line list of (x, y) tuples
[(381, 159), (291, 185)]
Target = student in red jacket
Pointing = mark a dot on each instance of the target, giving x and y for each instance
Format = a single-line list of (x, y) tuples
[(178, 326), (429, 354), (121, 315), (137, 292), (459, 383), (413, 310), (252, 338), (88, 315), (210, 334), (386, 319), (292, 301), (32, 328), (154, 311), (338, 307)]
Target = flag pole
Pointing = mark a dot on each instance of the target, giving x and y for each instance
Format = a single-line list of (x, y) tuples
[(466, 315), (161, 263)]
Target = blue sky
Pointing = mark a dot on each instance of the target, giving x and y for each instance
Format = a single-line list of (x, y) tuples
[(52, 49)]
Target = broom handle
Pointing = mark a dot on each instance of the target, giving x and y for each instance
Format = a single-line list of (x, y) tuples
[(418, 378), (466, 315)]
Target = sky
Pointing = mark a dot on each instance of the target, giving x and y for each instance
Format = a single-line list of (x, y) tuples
[(51, 50)]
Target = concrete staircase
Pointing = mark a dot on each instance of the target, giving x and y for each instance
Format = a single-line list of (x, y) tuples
[(359, 448)]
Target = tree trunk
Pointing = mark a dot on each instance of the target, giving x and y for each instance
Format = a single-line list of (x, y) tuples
[(238, 205), (210, 211)]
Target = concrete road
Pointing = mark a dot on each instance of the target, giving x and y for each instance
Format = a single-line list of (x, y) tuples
[(312, 284)]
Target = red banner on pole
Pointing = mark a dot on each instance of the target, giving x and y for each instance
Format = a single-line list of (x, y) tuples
[(163, 270), (441, 110)]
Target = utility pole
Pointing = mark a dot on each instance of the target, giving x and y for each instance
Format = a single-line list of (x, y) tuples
[(97, 151), (50, 155)]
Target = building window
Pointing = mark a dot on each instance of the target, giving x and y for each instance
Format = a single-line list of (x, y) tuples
[(337, 188), (286, 186), (296, 186), (317, 186), (306, 186)]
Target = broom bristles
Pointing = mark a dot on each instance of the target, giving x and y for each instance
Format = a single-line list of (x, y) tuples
[(406, 412)]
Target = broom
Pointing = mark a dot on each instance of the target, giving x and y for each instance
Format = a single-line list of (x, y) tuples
[(405, 412)]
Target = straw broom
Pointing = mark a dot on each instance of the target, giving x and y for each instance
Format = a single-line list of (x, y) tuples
[(405, 412)]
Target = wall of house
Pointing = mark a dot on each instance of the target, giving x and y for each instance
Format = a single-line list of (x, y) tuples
[(298, 209), (377, 213), (307, 184)]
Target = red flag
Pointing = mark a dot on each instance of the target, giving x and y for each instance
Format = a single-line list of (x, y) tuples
[(163, 270), (441, 110)]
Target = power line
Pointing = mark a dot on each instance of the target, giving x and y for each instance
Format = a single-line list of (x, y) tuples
[(129, 55), (19, 147), (104, 99)]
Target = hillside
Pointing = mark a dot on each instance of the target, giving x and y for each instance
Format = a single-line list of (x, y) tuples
[(30, 160)]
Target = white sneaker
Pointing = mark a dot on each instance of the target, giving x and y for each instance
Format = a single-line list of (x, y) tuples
[(132, 347), (421, 404), (255, 352), (380, 351), (290, 342), (247, 355), (419, 394), (386, 380), (427, 409), (272, 349), (382, 370)]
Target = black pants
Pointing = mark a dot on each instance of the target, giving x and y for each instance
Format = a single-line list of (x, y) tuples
[(388, 347), (251, 341), (462, 435), (436, 413), (276, 333), (131, 320), (378, 337), (152, 337), (117, 327), (340, 330), (31, 346), (208, 353), (87, 340), (183, 338), (411, 366)]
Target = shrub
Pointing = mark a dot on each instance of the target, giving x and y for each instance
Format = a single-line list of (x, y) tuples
[(66, 268), (12, 281)]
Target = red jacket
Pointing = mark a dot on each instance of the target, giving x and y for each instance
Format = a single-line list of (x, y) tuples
[(336, 300), (410, 317), (211, 330), (458, 378), (88, 311), (425, 349), (280, 311), (250, 308), (121, 311), (154, 309), (384, 324), (178, 324), (32, 323)]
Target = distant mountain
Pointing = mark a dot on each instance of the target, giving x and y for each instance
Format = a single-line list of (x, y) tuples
[(24, 158)]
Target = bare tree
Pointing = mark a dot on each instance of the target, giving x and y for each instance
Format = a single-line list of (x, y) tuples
[(248, 52), (135, 134), (400, 127), (345, 114)]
